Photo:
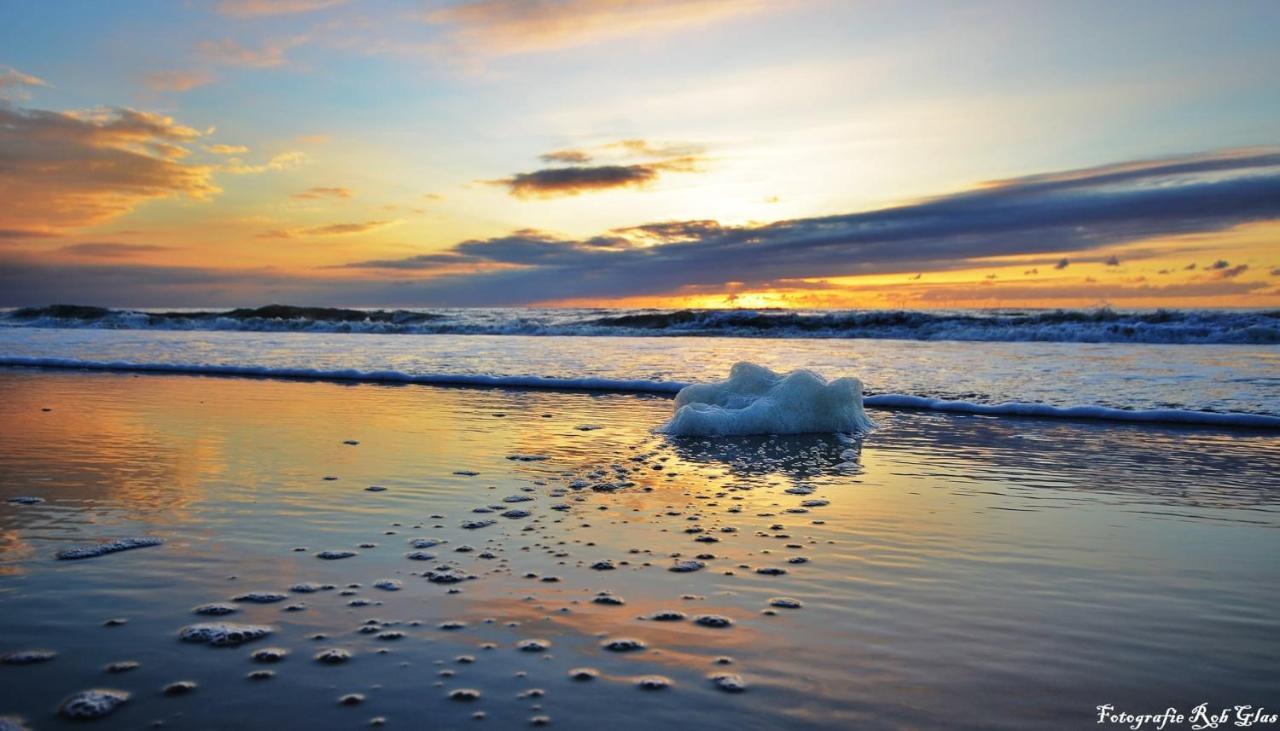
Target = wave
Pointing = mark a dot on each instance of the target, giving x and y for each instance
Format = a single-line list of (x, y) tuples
[(876, 401), (1223, 327)]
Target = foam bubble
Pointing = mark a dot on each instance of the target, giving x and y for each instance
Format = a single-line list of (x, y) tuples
[(728, 682), (102, 549), (756, 400), (223, 634), (335, 555), (215, 610), (27, 657), (93, 703)]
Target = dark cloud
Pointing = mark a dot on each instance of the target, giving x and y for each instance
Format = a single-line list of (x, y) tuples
[(1039, 217), (1219, 264), (1072, 211), (576, 179), (571, 157), (1231, 272), (111, 250)]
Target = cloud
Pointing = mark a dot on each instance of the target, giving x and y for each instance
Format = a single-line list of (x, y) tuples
[(72, 169), (14, 83), (504, 27), (111, 250), (575, 157), (576, 179), (227, 149), (322, 193), (177, 80), (1072, 211), (282, 161), (259, 8), (272, 54), (1231, 272), (333, 229), (1062, 263)]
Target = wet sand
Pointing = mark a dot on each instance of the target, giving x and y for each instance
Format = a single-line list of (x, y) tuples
[(945, 571)]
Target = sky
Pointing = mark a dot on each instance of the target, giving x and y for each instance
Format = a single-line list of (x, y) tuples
[(664, 153)]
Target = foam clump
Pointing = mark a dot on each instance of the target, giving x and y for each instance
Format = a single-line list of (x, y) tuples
[(756, 400), (102, 549), (94, 703), (223, 634)]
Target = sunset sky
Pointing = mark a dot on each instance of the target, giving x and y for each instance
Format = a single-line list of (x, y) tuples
[(626, 152)]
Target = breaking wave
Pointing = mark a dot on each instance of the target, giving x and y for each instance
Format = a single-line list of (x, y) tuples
[(1228, 327), (877, 401)]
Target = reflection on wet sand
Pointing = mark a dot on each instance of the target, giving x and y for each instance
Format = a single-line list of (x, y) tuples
[(935, 564)]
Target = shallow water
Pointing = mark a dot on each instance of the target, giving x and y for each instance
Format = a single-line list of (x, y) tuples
[(1237, 378), (966, 571)]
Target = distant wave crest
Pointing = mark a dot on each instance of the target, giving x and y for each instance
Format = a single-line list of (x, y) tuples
[(1105, 325)]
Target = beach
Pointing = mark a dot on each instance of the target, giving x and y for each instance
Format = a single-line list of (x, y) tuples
[(940, 570)]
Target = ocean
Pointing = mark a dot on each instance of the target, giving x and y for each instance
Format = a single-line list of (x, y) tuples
[(331, 519)]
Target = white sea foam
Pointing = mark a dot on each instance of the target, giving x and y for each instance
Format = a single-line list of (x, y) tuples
[(756, 400)]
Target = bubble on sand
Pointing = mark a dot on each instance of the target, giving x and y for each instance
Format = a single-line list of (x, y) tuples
[(816, 503), (26, 500), (713, 620), (260, 597), (527, 457), (516, 513), (533, 645), (93, 703), (424, 542), (728, 682), (27, 657), (653, 682), (13, 723), (332, 656), (375, 488), (122, 666), (420, 556), (783, 602), (351, 699), (477, 524), (223, 634), (388, 584), (217, 609), (517, 499), (667, 615), (466, 473), (609, 599), (583, 674), (603, 565), (686, 566), (464, 694), (445, 574), (335, 555), (623, 644), (540, 720), (452, 625), (269, 654), (102, 549), (770, 571), (179, 687), (261, 675), (310, 587), (798, 559)]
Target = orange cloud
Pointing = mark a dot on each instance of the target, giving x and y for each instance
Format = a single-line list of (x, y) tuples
[(227, 149), (14, 83), (521, 26), (177, 80), (333, 229), (259, 8), (231, 53), (80, 168), (320, 193), (282, 161)]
